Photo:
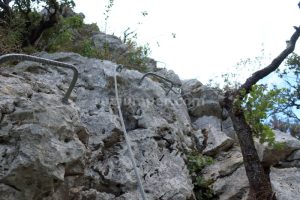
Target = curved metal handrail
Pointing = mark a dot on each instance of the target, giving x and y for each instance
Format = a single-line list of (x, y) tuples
[(24, 57), (161, 77)]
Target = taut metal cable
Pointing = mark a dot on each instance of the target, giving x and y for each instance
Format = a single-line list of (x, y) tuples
[(24, 57), (118, 68)]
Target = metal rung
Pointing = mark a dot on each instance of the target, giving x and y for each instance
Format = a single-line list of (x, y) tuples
[(24, 57), (163, 78)]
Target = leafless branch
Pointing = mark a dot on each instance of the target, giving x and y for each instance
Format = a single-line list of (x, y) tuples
[(260, 74)]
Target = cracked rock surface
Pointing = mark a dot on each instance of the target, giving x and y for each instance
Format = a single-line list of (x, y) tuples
[(42, 141), (77, 151)]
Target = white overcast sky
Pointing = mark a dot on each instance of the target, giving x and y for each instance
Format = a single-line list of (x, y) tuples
[(211, 35)]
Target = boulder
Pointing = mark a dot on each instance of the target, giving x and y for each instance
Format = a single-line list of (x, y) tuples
[(292, 161), (170, 74), (201, 100), (270, 156), (234, 186), (225, 126), (190, 86), (111, 42), (294, 156), (225, 164), (217, 141)]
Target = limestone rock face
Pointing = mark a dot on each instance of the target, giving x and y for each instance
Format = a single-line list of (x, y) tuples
[(294, 156), (170, 74), (204, 108), (230, 180), (206, 122), (225, 164), (292, 161), (227, 128), (42, 140), (53, 151), (113, 43), (50, 138), (227, 174), (201, 100), (285, 183), (235, 186), (217, 141), (191, 86)]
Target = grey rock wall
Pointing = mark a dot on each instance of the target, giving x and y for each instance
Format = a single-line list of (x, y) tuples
[(77, 151), (41, 140), (53, 151)]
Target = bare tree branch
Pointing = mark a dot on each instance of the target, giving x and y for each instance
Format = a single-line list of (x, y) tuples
[(260, 74), (260, 185)]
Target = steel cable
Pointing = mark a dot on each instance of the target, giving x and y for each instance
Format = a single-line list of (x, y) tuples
[(127, 140)]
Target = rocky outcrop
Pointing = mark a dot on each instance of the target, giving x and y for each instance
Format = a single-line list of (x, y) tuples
[(227, 176), (271, 156), (109, 43), (204, 107), (217, 141), (42, 141), (226, 163), (201, 100), (292, 161), (170, 74), (50, 138), (235, 186), (53, 151)]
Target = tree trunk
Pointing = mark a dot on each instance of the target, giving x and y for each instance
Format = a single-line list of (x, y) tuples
[(260, 186), (44, 24)]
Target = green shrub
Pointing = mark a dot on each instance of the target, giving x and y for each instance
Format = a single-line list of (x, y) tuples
[(195, 163), (135, 57), (62, 37), (87, 49), (257, 105), (72, 35), (11, 35)]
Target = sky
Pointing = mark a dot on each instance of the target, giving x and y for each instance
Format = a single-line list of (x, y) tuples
[(212, 36)]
